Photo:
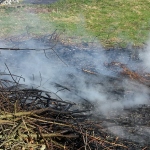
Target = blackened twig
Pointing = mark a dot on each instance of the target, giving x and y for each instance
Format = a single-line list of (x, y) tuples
[(11, 74)]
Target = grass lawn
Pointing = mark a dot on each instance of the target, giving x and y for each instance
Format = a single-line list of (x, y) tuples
[(114, 23)]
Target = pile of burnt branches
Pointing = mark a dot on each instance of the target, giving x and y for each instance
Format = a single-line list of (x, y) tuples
[(33, 119)]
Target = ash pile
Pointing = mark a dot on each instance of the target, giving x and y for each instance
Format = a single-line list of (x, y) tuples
[(102, 107)]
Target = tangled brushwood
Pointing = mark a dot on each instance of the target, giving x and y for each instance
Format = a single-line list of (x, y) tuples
[(32, 119)]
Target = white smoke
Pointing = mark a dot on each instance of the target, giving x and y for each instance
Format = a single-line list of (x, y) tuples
[(145, 56), (41, 72)]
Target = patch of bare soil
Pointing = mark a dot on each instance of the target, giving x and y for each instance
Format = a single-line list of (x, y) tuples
[(41, 1), (38, 10)]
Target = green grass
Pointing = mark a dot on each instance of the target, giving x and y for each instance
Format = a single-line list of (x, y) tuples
[(112, 22), (15, 22)]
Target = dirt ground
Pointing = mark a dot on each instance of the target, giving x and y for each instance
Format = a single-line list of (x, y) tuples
[(41, 1)]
